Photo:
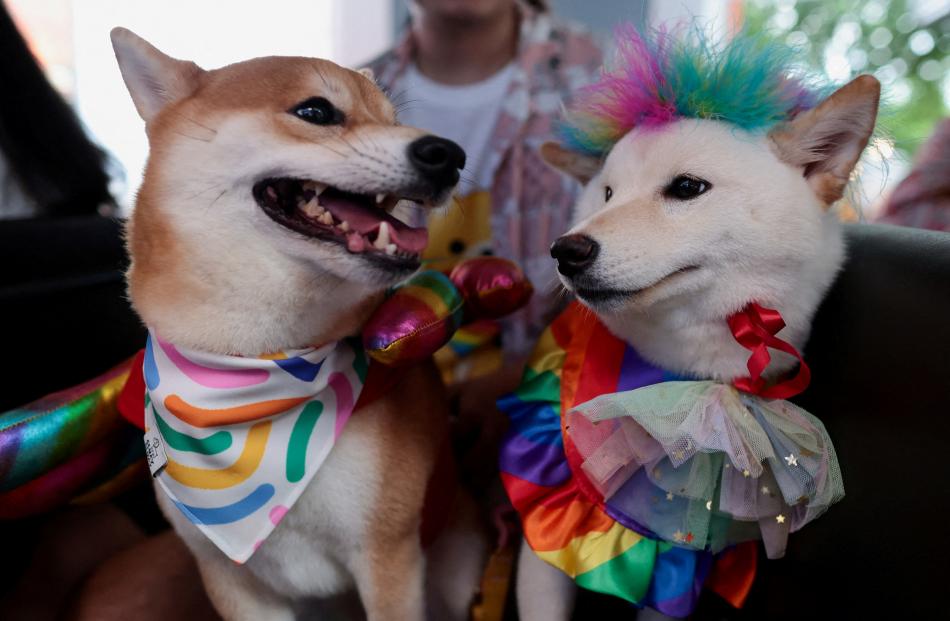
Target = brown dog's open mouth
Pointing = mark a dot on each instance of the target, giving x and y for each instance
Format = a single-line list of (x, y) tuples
[(359, 222)]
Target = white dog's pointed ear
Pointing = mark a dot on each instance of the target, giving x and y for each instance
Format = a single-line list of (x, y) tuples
[(827, 140), (581, 166), (154, 79)]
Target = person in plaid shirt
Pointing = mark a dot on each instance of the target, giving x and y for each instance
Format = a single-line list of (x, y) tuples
[(541, 61), (922, 199), (492, 75)]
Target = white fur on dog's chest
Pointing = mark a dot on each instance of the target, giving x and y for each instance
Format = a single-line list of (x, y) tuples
[(706, 350), (306, 555)]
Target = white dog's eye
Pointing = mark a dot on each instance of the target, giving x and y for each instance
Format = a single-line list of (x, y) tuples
[(319, 111), (685, 187), (608, 192)]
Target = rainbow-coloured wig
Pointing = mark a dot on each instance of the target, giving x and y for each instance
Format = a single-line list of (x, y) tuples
[(660, 76)]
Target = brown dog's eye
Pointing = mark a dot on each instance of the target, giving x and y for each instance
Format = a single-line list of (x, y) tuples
[(685, 187), (319, 111), (608, 192)]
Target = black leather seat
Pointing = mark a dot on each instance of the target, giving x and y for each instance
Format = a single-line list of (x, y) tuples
[(880, 359), (64, 316)]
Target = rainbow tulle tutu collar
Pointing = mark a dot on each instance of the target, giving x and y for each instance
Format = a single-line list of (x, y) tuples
[(649, 486)]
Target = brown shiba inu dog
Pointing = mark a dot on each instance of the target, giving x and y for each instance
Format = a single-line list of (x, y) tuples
[(263, 224)]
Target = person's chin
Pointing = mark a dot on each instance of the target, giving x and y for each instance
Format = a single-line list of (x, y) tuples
[(462, 11)]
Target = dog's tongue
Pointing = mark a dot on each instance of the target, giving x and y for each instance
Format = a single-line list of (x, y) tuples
[(365, 219)]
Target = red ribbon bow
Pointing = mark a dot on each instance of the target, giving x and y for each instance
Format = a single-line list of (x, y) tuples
[(755, 327)]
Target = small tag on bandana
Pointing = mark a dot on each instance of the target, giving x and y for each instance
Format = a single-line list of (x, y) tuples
[(155, 451)]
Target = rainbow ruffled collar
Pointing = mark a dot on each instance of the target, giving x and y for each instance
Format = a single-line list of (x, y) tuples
[(643, 484)]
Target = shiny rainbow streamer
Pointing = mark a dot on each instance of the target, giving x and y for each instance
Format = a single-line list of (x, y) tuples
[(65, 444)]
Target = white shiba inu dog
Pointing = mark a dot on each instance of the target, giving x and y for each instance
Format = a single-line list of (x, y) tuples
[(263, 224), (683, 224)]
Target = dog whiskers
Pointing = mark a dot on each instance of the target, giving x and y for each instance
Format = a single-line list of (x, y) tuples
[(457, 203), (208, 189), (354, 149), (375, 146), (361, 154), (193, 137), (217, 198), (404, 105), (467, 181), (394, 96), (330, 86), (201, 125), (321, 145), (347, 144), (322, 77)]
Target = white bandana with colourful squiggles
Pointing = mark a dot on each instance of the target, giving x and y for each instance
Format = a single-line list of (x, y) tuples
[(242, 437)]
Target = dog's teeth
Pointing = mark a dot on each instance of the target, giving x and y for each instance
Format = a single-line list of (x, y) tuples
[(316, 188), (312, 210), (391, 249), (382, 239), (326, 218), (390, 203), (380, 198), (344, 226)]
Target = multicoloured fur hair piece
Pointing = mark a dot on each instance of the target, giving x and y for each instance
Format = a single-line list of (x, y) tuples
[(659, 76)]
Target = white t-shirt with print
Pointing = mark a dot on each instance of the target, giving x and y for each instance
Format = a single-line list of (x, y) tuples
[(465, 114)]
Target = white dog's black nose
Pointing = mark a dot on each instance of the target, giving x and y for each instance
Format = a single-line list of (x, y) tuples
[(437, 159), (574, 253)]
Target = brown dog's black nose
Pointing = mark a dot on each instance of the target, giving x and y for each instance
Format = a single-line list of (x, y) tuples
[(574, 253), (437, 159)]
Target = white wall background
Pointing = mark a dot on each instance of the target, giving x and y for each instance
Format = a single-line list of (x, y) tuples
[(212, 33)]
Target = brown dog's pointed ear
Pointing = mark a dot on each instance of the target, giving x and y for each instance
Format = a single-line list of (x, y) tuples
[(154, 79), (578, 165), (827, 140)]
